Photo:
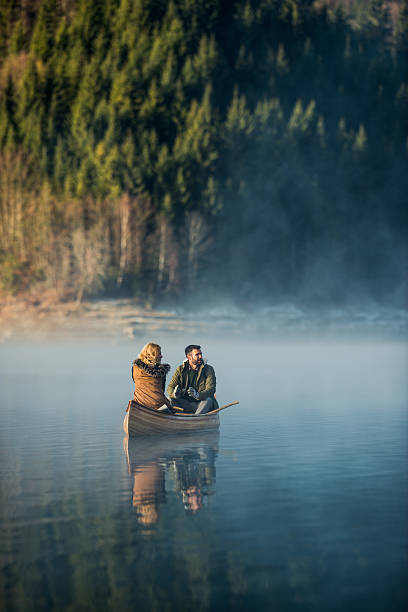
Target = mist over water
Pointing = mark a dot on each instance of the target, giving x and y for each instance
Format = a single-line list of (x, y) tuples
[(289, 319), (300, 502)]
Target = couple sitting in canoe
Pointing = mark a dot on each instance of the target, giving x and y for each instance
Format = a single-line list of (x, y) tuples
[(191, 390)]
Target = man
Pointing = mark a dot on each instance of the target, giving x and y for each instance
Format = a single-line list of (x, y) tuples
[(193, 384)]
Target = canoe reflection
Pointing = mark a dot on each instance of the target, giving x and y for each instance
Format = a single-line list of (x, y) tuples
[(186, 464)]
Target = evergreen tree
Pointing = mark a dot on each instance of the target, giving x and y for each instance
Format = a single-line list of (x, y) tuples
[(18, 39), (402, 30), (43, 35), (284, 119)]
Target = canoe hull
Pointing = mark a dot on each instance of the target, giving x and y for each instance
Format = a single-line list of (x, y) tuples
[(144, 421)]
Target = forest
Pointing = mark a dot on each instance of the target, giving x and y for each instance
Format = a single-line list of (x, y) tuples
[(186, 150)]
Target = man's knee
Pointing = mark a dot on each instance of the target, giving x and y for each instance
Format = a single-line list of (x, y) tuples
[(205, 406), (183, 403)]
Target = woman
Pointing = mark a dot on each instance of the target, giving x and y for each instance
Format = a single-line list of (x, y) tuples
[(149, 376)]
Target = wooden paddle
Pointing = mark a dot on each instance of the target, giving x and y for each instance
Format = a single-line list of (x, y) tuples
[(220, 408)]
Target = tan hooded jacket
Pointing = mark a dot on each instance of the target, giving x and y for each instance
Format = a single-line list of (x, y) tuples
[(150, 383)]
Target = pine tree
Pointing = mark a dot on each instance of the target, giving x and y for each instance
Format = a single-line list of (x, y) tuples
[(42, 40), (239, 118), (31, 109), (402, 30), (8, 126), (18, 41), (360, 141)]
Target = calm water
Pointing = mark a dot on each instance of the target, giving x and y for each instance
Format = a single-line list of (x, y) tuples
[(300, 502)]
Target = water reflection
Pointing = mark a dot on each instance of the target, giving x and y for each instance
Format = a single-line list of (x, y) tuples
[(184, 465)]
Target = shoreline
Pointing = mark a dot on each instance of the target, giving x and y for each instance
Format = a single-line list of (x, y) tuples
[(119, 318)]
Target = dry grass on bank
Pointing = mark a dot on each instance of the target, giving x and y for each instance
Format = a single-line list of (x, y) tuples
[(44, 315), (31, 312)]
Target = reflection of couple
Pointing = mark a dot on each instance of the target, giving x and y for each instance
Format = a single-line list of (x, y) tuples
[(191, 389), (148, 492), (190, 465), (194, 473)]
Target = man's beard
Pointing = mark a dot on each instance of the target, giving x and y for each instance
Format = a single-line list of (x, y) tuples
[(197, 361)]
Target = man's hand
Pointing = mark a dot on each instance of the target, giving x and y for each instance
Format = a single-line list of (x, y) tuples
[(176, 392), (193, 393)]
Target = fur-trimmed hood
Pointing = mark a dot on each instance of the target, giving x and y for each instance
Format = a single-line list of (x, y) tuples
[(158, 371)]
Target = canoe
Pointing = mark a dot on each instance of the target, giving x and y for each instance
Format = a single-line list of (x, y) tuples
[(140, 420)]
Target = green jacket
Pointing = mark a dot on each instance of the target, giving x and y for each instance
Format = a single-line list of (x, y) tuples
[(205, 384)]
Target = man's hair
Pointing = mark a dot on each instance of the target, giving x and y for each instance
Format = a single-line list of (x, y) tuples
[(192, 347)]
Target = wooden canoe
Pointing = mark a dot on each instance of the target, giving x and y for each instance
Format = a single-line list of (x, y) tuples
[(140, 420)]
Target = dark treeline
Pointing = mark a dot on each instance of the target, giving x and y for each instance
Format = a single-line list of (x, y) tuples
[(169, 149)]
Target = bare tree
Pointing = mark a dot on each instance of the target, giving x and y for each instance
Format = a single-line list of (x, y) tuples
[(13, 199), (167, 255), (89, 250), (163, 225), (199, 239), (134, 215), (125, 236)]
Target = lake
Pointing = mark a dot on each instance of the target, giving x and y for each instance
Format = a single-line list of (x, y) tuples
[(299, 503)]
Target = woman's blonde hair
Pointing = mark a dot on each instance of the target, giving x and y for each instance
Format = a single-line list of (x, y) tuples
[(150, 353)]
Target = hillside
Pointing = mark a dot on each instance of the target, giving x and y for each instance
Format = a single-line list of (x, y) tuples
[(178, 150)]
